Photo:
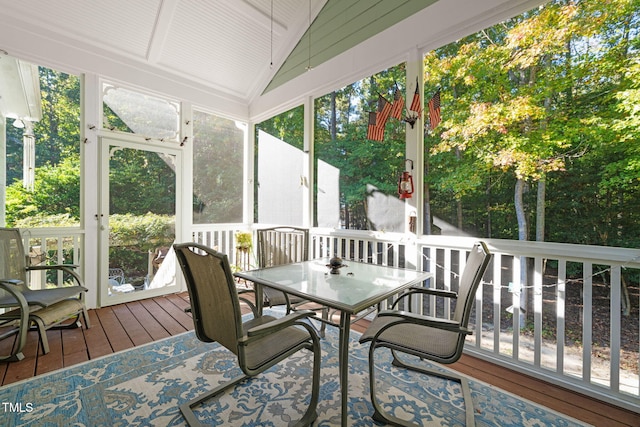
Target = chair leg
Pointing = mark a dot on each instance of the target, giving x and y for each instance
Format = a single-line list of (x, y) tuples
[(42, 334), (20, 340), (307, 419), (464, 384), (311, 414), (85, 316), (325, 316), (187, 407), (381, 416)]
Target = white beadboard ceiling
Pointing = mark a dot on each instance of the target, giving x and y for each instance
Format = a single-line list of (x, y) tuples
[(235, 52)]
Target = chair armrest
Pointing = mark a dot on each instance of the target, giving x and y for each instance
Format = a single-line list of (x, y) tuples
[(432, 322), (426, 291), (12, 282), (14, 288), (280, 323), (54, 266)]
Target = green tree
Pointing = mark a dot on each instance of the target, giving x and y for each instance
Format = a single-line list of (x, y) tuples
[(218, 158), (340, 139), (56, 192), (533, 101), (57, 148)]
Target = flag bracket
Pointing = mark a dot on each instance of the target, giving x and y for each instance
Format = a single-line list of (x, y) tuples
[(411, 118)]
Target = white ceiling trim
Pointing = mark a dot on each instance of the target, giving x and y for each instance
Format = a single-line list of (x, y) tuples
[(71, 56)]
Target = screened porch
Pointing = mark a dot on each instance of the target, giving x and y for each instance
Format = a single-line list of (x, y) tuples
[(149, 135)]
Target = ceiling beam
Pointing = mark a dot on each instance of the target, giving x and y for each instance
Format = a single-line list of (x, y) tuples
[(161, 29)]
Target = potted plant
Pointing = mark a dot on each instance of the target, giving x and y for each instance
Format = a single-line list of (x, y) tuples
[(244, 242)]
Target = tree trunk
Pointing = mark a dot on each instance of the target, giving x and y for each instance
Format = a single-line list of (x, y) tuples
[(488, 208), (334, 116), (540, 209), (458, 199), (426, 223), (522, 235)]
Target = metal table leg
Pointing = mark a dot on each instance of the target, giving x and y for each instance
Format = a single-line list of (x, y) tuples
[(343, 362)]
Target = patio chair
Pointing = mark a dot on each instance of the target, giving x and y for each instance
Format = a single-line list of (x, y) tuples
[(116, 283), (436, 339), (258, 343), (42, 308), (284, 245)]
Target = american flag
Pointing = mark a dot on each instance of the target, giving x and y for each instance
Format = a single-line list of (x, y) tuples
[(374, 132), (416, 105), (434, 110), (398, 105), (384, 109)]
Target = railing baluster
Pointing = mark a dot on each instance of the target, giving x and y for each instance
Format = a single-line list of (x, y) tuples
[(537, 310), (447, 281), (515, 305), (614, 327), (587, 316), (561, 314), (497, 301)]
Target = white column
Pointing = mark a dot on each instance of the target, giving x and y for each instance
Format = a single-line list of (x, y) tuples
[(28, 156), (308, 168), (90, 193), (415, 152)]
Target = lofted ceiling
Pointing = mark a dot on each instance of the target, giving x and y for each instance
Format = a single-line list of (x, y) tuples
[(243, 55)]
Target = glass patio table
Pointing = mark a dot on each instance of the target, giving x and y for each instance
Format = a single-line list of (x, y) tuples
[(356, 287)]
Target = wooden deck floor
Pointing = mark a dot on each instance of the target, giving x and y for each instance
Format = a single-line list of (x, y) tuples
[(161, 317)]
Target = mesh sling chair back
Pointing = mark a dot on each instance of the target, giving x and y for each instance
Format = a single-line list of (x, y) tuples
[(284, 245), (45, 308), (437, 339), (278, 246), (258, 343)]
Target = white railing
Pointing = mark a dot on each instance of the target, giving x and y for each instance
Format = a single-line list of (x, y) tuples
[(529, 299), (221, 237), (52, 246), (548, 340)]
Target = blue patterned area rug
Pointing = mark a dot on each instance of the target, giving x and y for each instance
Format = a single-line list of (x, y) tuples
[(144, 386)]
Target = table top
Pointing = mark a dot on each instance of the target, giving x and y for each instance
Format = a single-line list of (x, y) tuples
[(356, 287)]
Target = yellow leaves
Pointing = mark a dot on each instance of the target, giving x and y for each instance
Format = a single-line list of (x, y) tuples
[(531, 39), (505, 159), (526, 165), (487, 117), (469, 79)]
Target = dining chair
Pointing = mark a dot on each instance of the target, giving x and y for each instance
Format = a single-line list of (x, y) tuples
[(285, 245), (24, 308), (437, 339), (258, 343), (278, 246)]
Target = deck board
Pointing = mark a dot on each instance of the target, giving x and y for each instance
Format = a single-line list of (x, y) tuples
[(97, 342), (581, 407), (170, 325), (116, 334), (51, 361), (74, 346), (134, 327), (124, 326)]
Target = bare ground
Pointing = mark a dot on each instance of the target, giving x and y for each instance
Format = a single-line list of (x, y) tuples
[(601, 325)]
